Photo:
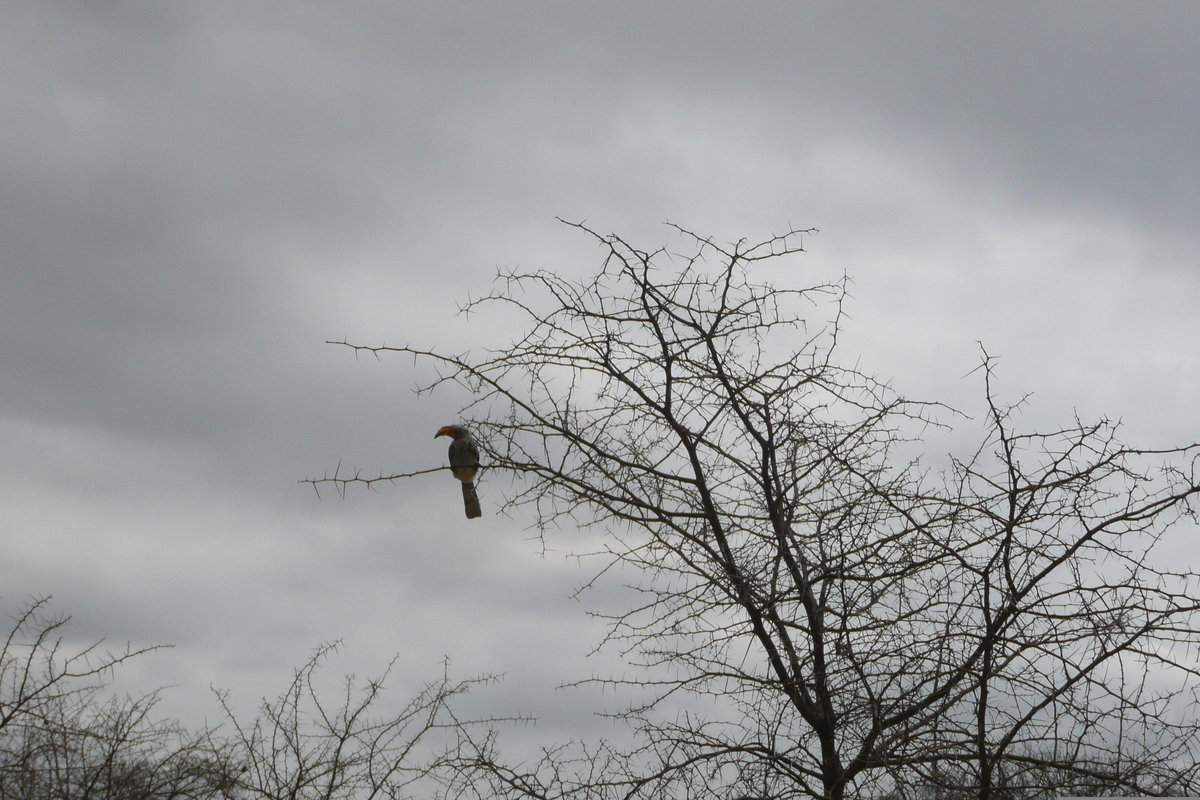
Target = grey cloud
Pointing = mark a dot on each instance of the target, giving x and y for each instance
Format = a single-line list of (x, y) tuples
[(194, 197)]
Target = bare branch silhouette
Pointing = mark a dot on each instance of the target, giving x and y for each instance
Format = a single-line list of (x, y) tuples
[(853, 622)]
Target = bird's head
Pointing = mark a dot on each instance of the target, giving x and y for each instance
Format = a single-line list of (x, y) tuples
[(453, 431)]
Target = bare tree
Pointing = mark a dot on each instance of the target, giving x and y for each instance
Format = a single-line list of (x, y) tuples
[(36, 671), (862, 623), (83, 746), (60, 737), (304, 746), (64, 737)]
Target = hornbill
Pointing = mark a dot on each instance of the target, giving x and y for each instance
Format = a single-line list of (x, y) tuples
[(464, 464)]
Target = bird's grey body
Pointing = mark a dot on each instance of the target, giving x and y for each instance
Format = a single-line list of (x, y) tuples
[(464, 465)]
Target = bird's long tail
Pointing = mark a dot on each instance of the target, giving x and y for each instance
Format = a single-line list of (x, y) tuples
[(471, 500)]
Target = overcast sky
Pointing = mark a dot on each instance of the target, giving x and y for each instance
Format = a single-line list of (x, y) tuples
[(194, 197)]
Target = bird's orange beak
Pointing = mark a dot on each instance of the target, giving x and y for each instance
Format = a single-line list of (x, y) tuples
[(445, 430)]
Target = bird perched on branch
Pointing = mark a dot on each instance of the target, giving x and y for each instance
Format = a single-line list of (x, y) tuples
[(464, 464)]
